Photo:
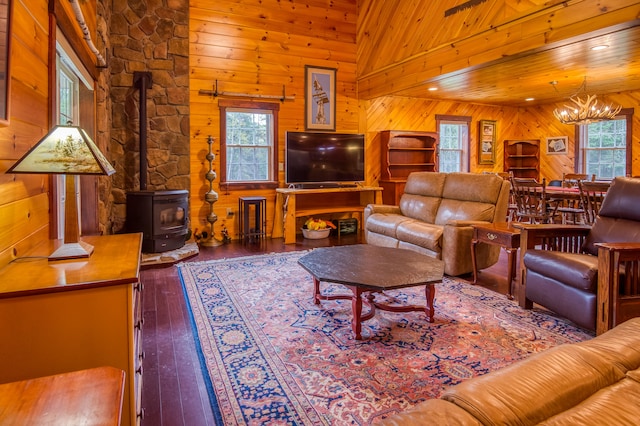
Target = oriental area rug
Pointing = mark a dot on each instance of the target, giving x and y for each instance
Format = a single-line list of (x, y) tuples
[(272, 356)]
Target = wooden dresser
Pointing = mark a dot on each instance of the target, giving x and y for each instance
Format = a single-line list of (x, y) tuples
[(62, 316)]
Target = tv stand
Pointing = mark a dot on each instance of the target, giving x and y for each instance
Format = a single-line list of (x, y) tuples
[(294, 203), (324, 185)]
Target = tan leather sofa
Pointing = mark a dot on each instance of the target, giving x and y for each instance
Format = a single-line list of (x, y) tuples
[(595, 382), (435, 215)]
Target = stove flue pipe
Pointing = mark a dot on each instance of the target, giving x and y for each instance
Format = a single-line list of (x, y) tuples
[(142, 80)]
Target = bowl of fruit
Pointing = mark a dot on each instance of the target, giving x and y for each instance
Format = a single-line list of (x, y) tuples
[(315, 229)]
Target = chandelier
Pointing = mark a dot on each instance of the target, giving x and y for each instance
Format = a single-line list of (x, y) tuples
[(585, 110)]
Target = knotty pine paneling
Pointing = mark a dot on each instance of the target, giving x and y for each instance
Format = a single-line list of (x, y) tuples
[(24, 199), (258, 47), (540, 123), (401, 113)]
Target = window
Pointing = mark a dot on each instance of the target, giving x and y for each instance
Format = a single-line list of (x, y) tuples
[(453, 143), (604, 148), (74, 105), (67, 94), (248, 145)]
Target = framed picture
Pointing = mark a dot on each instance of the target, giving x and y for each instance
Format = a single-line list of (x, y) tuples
[(319, 98), (557, 145), (486, 141)]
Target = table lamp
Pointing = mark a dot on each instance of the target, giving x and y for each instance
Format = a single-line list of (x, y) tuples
[(66, 150)]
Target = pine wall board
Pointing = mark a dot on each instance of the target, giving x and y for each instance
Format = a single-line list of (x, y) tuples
[(257, 48), (24, 199)]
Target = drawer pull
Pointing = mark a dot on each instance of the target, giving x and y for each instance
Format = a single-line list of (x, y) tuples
[(491, 236)]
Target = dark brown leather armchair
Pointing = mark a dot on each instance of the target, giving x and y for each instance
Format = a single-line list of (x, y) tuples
[(590, 275)]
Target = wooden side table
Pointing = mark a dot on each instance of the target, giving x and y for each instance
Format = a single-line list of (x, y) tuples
[(86, 397), (249, 233), (502, 234)]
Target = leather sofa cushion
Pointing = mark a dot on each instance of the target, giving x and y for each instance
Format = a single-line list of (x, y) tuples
[(432, 412), (420, 234), (420, 207), (481, 188), (386, 223), (537, 388), (619, 346), (422, 195), (425, 183), (573, 269), (618, 404), (464, 210)]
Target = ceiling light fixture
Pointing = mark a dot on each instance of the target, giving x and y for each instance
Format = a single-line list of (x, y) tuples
[(600, 47), (432, 89), (585, 110)]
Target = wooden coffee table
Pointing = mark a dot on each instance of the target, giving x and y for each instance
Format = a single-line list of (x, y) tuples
[(366, 270)]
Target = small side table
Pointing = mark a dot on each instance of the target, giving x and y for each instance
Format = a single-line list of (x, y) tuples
[(87, 397), (502, 234), (256, 229)]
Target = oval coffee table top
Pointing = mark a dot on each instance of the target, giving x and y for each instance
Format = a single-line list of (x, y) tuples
[(371, 266)]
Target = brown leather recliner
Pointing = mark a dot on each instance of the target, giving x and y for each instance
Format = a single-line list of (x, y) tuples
[(589, 275)]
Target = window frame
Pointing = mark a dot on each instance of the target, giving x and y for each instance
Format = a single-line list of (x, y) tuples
[(227, 104), (462, 119), (580, 132)]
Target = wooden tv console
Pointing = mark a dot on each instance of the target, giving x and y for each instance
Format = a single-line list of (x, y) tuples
[(292, 203)]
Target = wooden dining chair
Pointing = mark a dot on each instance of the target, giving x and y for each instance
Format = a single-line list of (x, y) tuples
[(532, 204), (591, 196), (570, 180), (572, 211)]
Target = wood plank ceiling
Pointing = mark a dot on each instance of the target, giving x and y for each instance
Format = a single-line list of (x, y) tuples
[(498, 52), (509, 81)]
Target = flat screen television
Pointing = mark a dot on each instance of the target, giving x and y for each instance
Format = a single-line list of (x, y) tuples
[(324, 159)]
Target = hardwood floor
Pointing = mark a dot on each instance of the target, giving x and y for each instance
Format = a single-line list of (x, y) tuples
[(173, 390)]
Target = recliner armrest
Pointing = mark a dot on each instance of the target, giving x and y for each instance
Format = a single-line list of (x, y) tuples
[(383, 208), (618, 284)]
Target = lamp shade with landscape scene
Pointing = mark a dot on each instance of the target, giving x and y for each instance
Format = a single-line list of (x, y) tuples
[(66, 150)]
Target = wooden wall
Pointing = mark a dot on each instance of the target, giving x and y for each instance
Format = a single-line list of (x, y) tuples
[(539, 123), (24, 199), (400, 113), (258, 47)]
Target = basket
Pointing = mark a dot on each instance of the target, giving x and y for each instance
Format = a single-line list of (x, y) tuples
[(316, 234)]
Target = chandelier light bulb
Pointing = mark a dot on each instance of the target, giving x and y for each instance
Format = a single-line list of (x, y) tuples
[(585, 110)]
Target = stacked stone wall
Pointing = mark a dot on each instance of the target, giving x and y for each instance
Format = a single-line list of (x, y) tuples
[(148, 36)]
